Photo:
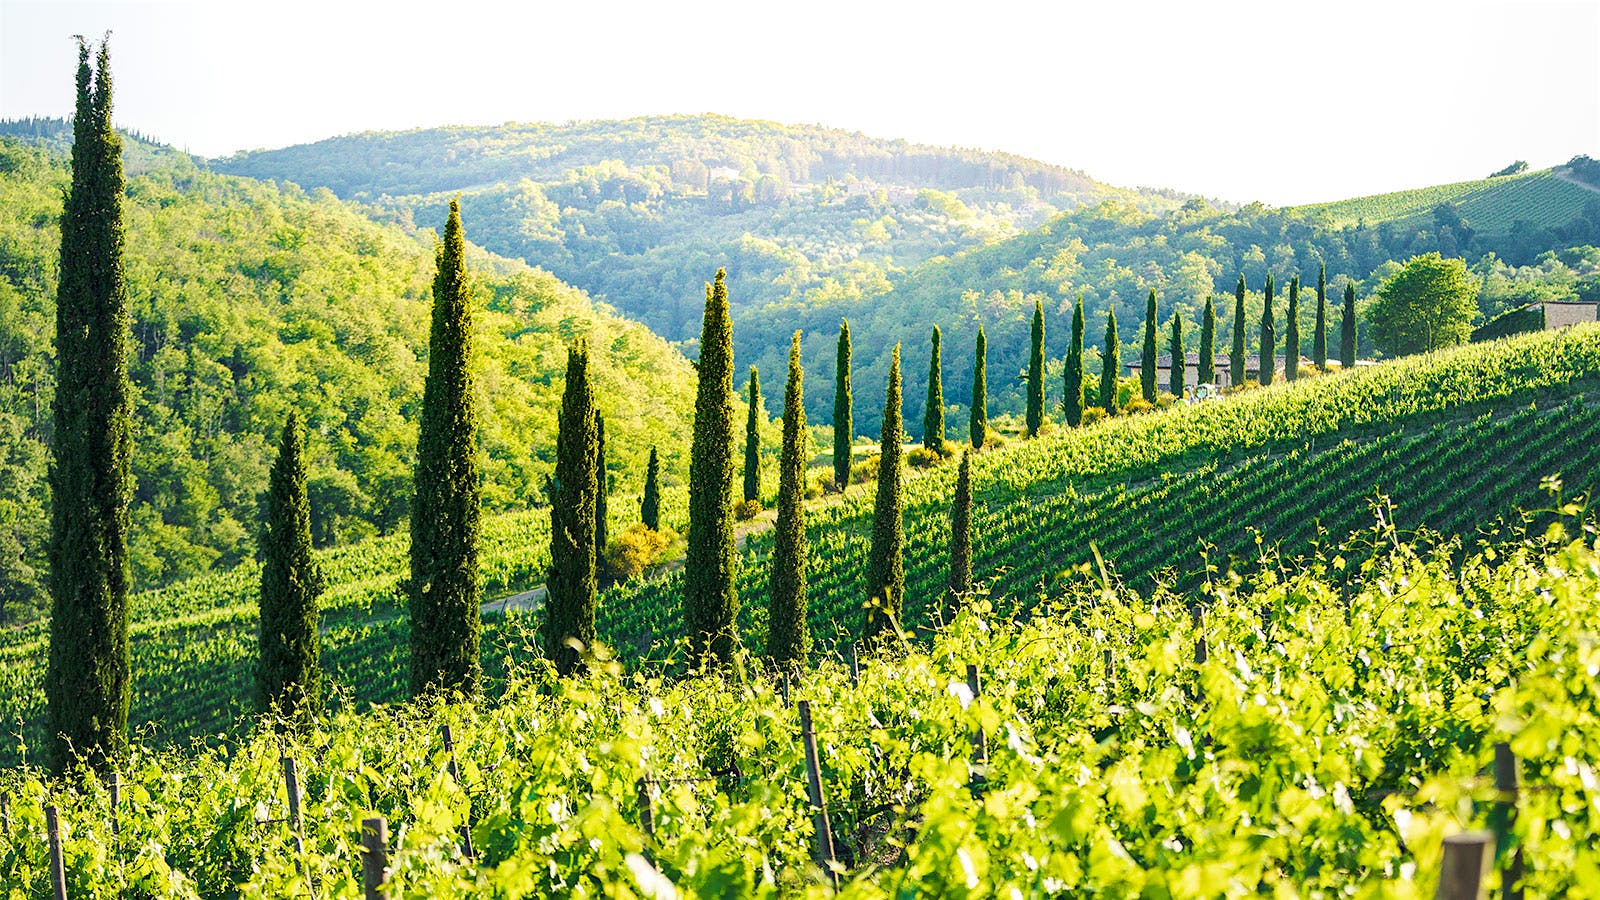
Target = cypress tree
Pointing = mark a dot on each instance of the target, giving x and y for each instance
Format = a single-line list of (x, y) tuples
[(86, 682), (1110, 364), (978, 421), (650, 505), (1147, 371), (445, 594), (752, 439), (843, 430), (1072, 376), (886, 572), (1208, 344), (1319, 341), (1347, 328), (602, 487), (572, 586), (289, 677), (1036, 372), (961, 532), (788, 638), (933, 415), (1269, 340), (1291, 333), (710, 595), (1180, 363), (1236, 359)]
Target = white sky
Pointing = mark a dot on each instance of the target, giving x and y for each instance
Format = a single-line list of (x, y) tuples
[(1284, 102)]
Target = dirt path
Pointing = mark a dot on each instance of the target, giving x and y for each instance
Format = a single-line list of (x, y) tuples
[(1570, 180)]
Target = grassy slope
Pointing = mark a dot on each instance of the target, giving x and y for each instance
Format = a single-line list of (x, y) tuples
[(1490, 205), (1040, 505)]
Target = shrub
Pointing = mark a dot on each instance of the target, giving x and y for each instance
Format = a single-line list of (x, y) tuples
[(1137, 405), (747, 509), (1093, 414), (865, 470), (923, 458), (630, 553)]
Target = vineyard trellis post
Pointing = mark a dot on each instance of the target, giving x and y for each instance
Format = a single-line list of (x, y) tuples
[(1465, 866), (855, 666), (1508, 784), (455, 774), (785, 689), (819, 815), (1110, 669), (58, 868), (116, 803), (5, 813), (374, 857), (980, 741), (647, 813)]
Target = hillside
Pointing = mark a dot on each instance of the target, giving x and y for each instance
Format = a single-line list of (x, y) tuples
[(248, 300), (1297, 462), (637, 212), (1492, 206)]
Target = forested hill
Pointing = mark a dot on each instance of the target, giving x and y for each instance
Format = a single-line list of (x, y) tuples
[(637, 212), (249, 300)]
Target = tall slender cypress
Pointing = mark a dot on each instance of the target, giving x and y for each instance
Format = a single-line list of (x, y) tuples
[(1236, 359), (1110, 365), (886, 570), (445, 593), (788, 637), (650, 504), (1036, 372), (961, 532), (710, 594), (289, 675), (1269, 339), (572, 585), (1072, 375), (1291, 333), (978, 420), (1147, 370), (86, 682), (1208, 344), (1319, 341), (843, 430), (933, 415), (1180, 362), (1347, 328), (752, 439), (602, 486)]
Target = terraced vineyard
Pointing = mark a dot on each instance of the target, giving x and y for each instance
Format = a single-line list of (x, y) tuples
[(1042, 503), (1490, 205)]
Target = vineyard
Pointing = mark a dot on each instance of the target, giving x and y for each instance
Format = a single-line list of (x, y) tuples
[(1490, 206), (1309, 730), (1143, 491)]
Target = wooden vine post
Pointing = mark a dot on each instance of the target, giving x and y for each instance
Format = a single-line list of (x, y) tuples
[(58, 866), (980, 741), (374, 857), (855, 666), (5, 813), (1508, 783), (291, 787), (116, 803), (647, 814), (1465, 866), (819, 815), (455, 775)]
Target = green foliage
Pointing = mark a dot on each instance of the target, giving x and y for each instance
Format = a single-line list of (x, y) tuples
[(1207, 372), (711, 599), (886, 574), (1179, 370), (87, 681), (1517, 321), (752, 439), (1269, 339), (978, 418), (1492, 204), (933, 410), (1036, 372), (650, 502), (1347, 328), (843, 431), (445, 510), (634, 551), (289, 673), (248, 300), (961, 533), (1072, 371), (1236, 360), (1110, 366), (602, 485), (1147, 360), (1319, 342), (1428, 304), (1291, 332), (573, 583), (788, 630)]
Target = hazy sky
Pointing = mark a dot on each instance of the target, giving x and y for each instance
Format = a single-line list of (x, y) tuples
[(1284, 102)]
